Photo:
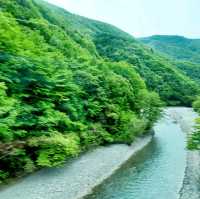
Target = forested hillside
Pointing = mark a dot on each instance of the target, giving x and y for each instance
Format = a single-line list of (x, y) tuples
[(68, 83), (178, 47), (58, 96), (184, 52), (113, 44)]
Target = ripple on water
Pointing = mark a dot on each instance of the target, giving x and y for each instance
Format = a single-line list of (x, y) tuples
[(154, 173)]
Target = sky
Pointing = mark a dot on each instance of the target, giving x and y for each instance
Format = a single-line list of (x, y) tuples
[(141, 18)]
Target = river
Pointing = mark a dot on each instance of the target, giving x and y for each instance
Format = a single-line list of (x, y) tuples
[(156, 172)]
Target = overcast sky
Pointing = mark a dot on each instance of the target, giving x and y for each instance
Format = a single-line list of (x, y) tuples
[(142, 17)]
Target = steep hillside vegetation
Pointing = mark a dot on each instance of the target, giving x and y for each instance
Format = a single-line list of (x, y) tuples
[(115, 45), (68, 83), (178, 47), (58, 97), (185, 52), (159, 73)]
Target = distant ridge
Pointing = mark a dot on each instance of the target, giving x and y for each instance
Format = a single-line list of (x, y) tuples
[(185, 52)]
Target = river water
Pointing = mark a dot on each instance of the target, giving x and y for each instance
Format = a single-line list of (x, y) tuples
[(156, 172)]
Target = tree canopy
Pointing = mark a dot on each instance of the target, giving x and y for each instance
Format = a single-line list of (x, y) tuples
[(68, 83), (58, 96)]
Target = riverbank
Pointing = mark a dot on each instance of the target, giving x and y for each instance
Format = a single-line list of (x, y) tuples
[(161, 164), (78, 177), (190, 189), (157, 172)]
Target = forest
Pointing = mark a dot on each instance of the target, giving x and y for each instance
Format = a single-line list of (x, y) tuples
[(185, 53), (68, 83)]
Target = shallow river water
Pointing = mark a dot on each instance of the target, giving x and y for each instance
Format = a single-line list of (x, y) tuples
[(154, 173)]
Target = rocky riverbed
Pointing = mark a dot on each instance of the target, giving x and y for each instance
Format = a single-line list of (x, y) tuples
[(191, 184), (78, 177)]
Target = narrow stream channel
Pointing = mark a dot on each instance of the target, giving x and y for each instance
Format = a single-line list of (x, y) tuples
[(154, 173)]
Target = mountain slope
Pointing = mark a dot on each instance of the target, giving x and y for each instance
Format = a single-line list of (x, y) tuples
[(159, 73), (68, 83), (113, 44), (177, 47), (184, 52), (58, 96)]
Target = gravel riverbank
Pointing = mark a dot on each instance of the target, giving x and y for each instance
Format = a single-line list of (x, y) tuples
[(78, 177), (191, 184)]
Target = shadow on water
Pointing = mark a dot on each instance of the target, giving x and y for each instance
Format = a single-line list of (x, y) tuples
[(156, 172)]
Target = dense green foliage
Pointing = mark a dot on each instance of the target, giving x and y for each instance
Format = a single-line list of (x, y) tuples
[(184, 52), (158, 72), (177, 47), (112, 44), (191, 69), (68, 83), (194, 139), (58, 96)]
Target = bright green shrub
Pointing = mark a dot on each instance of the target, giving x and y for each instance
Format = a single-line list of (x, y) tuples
[(194, 139), (54, 150)]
